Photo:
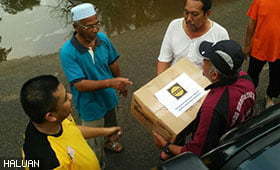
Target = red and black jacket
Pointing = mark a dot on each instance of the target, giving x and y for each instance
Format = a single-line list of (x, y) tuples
[(228, 103)]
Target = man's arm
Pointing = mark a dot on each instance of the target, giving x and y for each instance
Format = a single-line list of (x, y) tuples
[(162, 66), (91, 132), (118, 83), (115, 69), (248, 37)]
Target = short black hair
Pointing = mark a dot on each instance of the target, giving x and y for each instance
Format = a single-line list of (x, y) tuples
[(36, 97), (207, 4)]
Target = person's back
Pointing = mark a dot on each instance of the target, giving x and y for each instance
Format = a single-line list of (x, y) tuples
[(240, 108), (229, 101), (223, 108)]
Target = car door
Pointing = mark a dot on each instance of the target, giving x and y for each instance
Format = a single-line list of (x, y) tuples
[(262, 154)]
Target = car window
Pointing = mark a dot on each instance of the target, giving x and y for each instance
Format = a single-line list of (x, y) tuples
[(268, 159)]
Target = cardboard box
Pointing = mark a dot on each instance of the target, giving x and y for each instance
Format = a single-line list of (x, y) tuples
[(153, 115)]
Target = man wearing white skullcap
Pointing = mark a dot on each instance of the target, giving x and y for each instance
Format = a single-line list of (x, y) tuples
[(82, 11), (90, 63)]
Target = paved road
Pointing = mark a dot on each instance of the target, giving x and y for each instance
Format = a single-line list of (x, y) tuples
[(139, 51)]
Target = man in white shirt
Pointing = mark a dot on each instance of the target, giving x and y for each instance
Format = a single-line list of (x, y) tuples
[(184, 35)]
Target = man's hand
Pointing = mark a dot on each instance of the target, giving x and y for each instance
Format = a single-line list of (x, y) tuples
[(159, 140), (120, 83), (116, 130), (163, 155)]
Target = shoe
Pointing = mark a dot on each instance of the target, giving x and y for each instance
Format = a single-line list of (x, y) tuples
[(268, 102)]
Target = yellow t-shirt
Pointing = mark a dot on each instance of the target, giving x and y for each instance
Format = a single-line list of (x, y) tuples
[(66, 150)]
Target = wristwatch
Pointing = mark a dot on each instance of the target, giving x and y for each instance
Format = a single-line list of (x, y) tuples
[(166, 150)]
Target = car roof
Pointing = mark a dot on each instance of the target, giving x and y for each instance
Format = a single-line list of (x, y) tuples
[(243, 135)]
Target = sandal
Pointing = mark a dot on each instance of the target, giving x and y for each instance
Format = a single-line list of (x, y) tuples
[(113, 147)]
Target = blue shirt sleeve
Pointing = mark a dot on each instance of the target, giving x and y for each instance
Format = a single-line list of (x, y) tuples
[(70, 67), (113, 53)]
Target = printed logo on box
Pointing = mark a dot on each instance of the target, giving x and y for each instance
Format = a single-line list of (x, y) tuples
[(177, 91)]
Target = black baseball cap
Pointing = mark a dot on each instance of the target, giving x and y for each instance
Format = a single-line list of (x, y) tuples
[(225, 55)]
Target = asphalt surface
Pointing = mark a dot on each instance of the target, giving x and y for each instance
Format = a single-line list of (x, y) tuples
[(139, 51)]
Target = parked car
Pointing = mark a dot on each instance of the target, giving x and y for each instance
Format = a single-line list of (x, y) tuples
[(253, 145), (184, 161)]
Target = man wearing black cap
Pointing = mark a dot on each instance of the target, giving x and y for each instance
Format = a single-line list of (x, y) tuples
[(229, 102)]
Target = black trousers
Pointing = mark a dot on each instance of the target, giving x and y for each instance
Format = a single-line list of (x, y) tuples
[(110, 119), (254, 70)]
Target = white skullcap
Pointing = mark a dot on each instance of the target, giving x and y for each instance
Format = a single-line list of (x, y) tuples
[(82, 11)]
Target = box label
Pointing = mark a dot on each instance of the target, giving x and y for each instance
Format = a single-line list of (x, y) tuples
[(180, 94), (177, 91)]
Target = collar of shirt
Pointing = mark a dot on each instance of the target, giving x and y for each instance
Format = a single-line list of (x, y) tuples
[(79, 46), (223, 82)]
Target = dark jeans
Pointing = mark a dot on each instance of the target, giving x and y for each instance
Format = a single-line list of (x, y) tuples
[(110, 119), (254, 70)]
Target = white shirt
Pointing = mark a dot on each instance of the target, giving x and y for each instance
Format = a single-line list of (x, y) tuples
[(177, 44), (92, 54)]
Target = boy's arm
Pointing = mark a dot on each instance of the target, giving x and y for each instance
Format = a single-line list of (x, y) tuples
[(91, 132)]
